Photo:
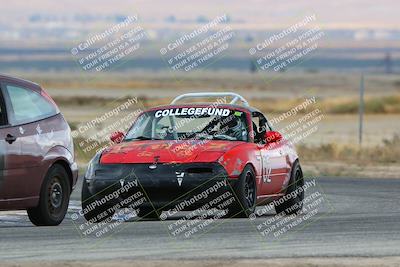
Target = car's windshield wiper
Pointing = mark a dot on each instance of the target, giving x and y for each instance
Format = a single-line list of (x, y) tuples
[(223, 137), (141, 137)]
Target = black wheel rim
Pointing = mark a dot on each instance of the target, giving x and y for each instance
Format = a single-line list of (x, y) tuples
[(249, 190), (55, 196)]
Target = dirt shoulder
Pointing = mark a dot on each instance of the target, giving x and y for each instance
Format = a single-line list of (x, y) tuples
[(342, 169)]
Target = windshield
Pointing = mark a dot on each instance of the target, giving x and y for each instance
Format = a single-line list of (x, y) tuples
[(190, 123)]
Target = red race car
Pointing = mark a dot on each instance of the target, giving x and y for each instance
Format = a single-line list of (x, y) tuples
[(187, 156)]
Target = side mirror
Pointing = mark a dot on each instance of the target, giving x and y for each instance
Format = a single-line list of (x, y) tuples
[(117, 137), (272, 137)]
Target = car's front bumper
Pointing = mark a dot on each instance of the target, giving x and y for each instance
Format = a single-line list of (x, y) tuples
[(74, 171), (164, 186)]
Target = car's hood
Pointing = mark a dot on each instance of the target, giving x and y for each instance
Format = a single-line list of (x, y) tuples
[(163, 151)]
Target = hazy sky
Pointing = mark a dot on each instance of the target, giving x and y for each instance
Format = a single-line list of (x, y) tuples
[(265, 13)]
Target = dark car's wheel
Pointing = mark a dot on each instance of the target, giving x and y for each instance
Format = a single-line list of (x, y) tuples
[(92, 212), (293, 205), (149, 213), (54, 198), (245, 195)]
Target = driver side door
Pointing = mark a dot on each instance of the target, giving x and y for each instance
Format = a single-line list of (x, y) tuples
[(10, 152), (273, 158)]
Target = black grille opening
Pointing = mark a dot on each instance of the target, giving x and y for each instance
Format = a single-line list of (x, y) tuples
[(199, 170)]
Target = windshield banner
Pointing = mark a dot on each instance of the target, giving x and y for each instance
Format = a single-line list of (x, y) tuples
[(192, 111)]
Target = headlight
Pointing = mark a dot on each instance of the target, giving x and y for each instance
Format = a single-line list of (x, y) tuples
[(90, 171)]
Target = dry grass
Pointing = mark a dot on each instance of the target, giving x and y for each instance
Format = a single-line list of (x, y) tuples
[(386, 153), (346, 83), (338, 105)]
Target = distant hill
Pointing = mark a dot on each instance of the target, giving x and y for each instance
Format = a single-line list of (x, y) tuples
[(339, 14)]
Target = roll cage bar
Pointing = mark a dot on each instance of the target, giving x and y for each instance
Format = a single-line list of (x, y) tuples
[(235, 97)]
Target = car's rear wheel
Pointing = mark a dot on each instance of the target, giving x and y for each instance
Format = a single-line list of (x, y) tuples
[(245, 192), (293, 205), (92, 212), (54, 198)]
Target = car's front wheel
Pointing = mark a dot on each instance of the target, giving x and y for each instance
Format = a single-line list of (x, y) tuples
[(54, 198), (245, 192)]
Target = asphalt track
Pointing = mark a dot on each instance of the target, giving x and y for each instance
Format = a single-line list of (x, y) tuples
[(359, 217)]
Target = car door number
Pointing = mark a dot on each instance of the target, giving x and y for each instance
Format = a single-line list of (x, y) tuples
[(267, 175)]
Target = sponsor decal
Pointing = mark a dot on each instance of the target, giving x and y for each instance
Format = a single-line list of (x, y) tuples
[(180, 181), (43, 138), (267, 176), (179, 177), (38, 129), (192, 111)]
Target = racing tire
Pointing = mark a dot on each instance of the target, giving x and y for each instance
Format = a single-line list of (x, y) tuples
[(245, 192), (98, 214), (293, 205), (148, 213), (53, 199)]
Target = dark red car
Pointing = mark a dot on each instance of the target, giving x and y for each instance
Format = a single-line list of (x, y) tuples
[(179, 155), (37, 167)]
